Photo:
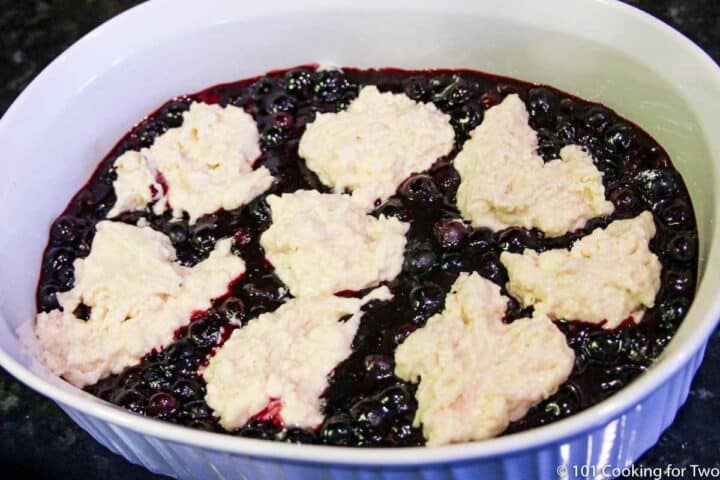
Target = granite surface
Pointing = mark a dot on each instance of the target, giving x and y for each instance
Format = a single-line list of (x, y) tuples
[(37, 440)]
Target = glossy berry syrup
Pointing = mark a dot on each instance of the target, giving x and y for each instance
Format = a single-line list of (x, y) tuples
[(365, 403)]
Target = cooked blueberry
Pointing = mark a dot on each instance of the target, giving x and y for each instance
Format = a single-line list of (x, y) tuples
[(265, 289), (610, 386), (198, 409), (466, 117), (260, 430), (590, 141), (260, 211), (370, 412), (489, 99), (273, 137), (427, 299), (148, 132), (280, 103), (298, 435), (567, 105), (157, 378), (183, 348), (85, 243), (491, 268), (420, 189), (452, 262), (366, 435), (480, 241), (185, 367), (66, 277), (204, 334), (403, 434), (635, 345), (619, 137), (657, 183), (330, 85), (450, 233), (626, 202), (66, 229), (203, 239), (337, 430), (603, 347), (82, 312), (233, 308), (598, 119), (379, 367), (398, 401), (566, 401), (298, 81), (190, 258), (672, 311), (416, 88), (682, 247), (447, 179), (162, 404), (59, 258), (172, 113), (549, 150), (676, 214), (281, 121), (186, 389), (262, 87), (177, 232), (513, 240), (456, 93), (677, 282), (565, 132), (130, 399), (541, 104), (420, 259)]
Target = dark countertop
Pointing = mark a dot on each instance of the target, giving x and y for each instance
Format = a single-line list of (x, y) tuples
[(37, 440)]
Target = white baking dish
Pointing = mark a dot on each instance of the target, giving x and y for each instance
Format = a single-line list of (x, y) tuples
[(70, 116)]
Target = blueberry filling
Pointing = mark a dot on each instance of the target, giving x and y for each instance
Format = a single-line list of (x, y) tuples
[(365, 403)]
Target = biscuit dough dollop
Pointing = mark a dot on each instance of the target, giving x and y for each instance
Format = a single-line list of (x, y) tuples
[(138, 295), (504, 182), (379, 141), (284, 357), (206, 164), (477, 373), (605, 278), (321, 244)]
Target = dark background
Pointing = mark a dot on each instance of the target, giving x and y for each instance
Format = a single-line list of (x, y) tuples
[(37, 440)]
